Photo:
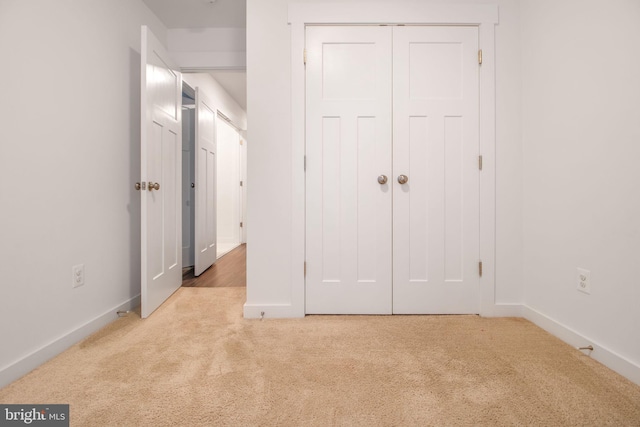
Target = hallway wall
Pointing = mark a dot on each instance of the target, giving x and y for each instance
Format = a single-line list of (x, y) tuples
[(69, 157)]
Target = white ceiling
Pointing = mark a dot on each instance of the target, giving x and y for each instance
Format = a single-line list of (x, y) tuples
[(200, 13), (204, 14)]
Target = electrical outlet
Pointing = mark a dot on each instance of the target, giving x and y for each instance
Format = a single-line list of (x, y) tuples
[(584, 280), (77, 275)]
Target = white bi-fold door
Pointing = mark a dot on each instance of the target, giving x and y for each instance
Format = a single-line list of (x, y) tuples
[(392, 179)]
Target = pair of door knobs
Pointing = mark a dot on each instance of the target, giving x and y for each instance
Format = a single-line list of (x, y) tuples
[(402, 179)]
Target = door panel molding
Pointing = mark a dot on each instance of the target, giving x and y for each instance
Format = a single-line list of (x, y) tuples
[(485, 17)]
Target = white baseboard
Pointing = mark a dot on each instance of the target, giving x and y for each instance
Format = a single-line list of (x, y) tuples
[(28, 363), (504, 310), (607, 357), (276, 311)]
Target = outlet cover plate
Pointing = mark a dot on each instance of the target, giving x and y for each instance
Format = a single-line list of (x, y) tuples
[(583, 278), (77, 275)]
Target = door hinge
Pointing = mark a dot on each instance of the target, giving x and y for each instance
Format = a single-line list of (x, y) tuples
[(241, 184), (305, 269), (480, 268), (241, 225), (305, 163), (304, 56), (480, 57), (480, 162)]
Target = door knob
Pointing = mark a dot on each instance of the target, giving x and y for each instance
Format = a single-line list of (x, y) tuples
[(154, 186), (402, 179), (382, 179)]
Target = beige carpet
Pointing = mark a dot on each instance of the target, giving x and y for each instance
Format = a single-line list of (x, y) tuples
[(197, 362)]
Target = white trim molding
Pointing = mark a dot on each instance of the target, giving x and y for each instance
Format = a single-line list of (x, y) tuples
[(20, 368), (272, 311), (485, 17), (602, 354)]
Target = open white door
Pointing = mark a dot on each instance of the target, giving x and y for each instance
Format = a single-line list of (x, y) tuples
[(205, 229), (160, 190)]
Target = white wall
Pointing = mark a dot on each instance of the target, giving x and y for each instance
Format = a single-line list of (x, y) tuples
[(228, 190), (269, 163), (581, 133), (208, 48), (69, 157)]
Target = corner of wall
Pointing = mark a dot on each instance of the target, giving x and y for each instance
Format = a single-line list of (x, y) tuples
[(28, 363), (602, 354)]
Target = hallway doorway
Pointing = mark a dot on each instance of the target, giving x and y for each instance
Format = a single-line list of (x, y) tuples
[(229, 271)]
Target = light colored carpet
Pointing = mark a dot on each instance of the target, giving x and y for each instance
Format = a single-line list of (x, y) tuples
[(197, 362)]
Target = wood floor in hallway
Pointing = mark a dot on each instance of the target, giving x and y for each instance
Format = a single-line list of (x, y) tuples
[(228, 271)]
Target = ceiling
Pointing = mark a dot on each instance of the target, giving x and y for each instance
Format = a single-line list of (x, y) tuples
[(208, 14), (200, 13)]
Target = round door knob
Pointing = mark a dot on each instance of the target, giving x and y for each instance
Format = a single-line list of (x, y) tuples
[(382, 179), (154, 186), (402, 179)]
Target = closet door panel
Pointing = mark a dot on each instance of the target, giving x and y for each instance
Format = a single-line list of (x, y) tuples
[(435, 144), (348, 146)]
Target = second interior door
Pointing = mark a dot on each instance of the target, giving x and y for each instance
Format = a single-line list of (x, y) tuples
[(392, 176)]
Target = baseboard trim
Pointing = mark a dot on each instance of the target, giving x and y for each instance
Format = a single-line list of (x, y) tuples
[(276, 311), (47, 352), (602, 354), (504, 310)]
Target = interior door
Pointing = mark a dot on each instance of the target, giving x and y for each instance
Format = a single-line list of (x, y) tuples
[(161, 156), (436, 146), (205, 203), (392, 216), (348, 152)]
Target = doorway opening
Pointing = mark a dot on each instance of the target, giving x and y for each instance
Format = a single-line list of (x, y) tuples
[(222, 171)]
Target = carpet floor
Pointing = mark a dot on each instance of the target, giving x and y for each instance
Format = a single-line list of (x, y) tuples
[(197, 362)]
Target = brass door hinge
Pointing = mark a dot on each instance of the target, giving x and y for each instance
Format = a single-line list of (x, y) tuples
[(480, 268), (241, 184), (480, 162), (241, 225), (305, 269), (480, 57)]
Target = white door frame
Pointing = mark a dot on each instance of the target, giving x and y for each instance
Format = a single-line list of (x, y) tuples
[(485, 17)]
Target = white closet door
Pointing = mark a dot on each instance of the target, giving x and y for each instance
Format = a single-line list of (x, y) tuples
[(228, 188), (436, 145), (348, 146)]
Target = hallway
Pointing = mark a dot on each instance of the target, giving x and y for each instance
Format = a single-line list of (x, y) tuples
[(228, 271)]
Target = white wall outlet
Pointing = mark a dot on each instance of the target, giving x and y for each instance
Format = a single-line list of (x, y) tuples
[(584, 280), (77, 275)]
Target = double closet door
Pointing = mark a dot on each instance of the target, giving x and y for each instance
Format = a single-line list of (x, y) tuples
[(392, 177)]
